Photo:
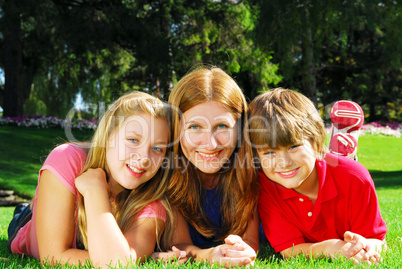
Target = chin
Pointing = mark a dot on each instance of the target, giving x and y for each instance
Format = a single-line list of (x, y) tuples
[(208, 170)]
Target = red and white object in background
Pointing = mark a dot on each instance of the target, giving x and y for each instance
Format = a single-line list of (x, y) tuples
[(347, 118)]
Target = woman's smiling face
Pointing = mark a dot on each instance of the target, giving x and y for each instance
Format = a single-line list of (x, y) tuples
[(208, 136)]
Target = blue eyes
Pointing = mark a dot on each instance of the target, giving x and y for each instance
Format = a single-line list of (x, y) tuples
[(196, 127), (222, 126), (158, 149), (294, 147), (133, 140), (136, 141), (272, 153)]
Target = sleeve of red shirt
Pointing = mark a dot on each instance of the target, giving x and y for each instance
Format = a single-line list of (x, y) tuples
[(365, 216), (278, 229)]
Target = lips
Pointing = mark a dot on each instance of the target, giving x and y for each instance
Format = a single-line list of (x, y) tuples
[(209, 156), (137, 172), (289, 173)]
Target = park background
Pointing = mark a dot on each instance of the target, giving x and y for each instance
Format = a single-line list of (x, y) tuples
[(63, 61)]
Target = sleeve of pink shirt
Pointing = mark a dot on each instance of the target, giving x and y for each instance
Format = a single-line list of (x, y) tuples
[(154, 210), (66, 163)]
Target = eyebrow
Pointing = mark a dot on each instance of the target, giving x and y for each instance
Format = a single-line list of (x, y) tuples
[(131, 132), (219, 121)]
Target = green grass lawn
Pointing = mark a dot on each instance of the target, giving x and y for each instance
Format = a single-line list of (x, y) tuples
[(23, 151), (26, 149)]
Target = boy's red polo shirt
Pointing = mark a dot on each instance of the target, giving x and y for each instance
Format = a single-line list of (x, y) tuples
[(346, 201)]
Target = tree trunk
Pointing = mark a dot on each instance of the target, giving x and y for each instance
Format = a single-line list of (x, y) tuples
[(13, 97), (308, 71)]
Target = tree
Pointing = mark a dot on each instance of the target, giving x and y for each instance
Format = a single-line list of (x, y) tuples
[(102, 48), (220, 33), (292, 29), (363, 56), (333, 50), (12, 58)]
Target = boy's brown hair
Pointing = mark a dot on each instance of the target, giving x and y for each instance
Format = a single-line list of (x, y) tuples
[(281, 118)]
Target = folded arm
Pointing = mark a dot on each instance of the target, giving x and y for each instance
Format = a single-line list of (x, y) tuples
[(354, 247), (235, 251)]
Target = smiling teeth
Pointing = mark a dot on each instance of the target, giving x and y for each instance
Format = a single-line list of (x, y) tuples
[(208, 155), (288, 173), (135, 170)]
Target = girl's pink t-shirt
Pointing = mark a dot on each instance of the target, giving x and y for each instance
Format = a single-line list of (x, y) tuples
[(66, 163)]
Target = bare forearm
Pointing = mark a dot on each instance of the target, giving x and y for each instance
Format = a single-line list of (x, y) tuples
[(333, 248), (106, 243), (330, 248), (70, 257), (195, 252)]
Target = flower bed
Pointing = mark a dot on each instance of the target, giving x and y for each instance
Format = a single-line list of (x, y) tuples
[(388, 128), (383, 128), (39, 121)]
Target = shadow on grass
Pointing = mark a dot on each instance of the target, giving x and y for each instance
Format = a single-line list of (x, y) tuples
[(386, 178)]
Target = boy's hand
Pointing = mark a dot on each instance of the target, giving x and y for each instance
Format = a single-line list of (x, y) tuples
[(360, 249)]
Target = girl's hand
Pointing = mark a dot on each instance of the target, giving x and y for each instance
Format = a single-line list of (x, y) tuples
[(175, 255), (92, 180), (235, 252)]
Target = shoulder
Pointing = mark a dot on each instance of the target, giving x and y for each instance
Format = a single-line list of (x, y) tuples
[(346, 171), (66, 163), (68, 148), (66, 153), (154, 209)]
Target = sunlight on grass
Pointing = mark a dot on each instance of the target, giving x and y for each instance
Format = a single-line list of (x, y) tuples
[(23, 155), (381, 153)]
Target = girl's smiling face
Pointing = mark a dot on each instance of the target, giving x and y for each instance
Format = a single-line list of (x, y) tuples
[(136, 151), (208, 136)]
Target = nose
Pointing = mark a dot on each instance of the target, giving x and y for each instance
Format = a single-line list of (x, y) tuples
[(210, 141), (145, 161), (142, 156), (284, 160)]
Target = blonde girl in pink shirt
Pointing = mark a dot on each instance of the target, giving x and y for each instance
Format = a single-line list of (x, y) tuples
[(104, 202)]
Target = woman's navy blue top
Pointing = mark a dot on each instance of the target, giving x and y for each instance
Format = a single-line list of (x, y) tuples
[(211, 205)]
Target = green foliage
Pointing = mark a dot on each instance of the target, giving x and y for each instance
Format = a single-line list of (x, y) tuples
[(354, 52), (329, 50)]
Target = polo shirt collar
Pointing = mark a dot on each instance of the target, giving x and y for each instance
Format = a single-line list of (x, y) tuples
[(327, 189)]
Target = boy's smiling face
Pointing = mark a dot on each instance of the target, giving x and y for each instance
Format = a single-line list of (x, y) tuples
[(291, 166)]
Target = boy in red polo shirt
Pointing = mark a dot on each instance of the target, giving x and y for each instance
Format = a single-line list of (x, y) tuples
[(311, 202)]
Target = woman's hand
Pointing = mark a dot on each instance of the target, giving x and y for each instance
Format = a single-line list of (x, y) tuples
[(175, 255), (235, 252)]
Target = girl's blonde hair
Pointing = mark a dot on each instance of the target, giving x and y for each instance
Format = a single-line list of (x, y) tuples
[(281, 118), (129, 201), (238, 183)]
